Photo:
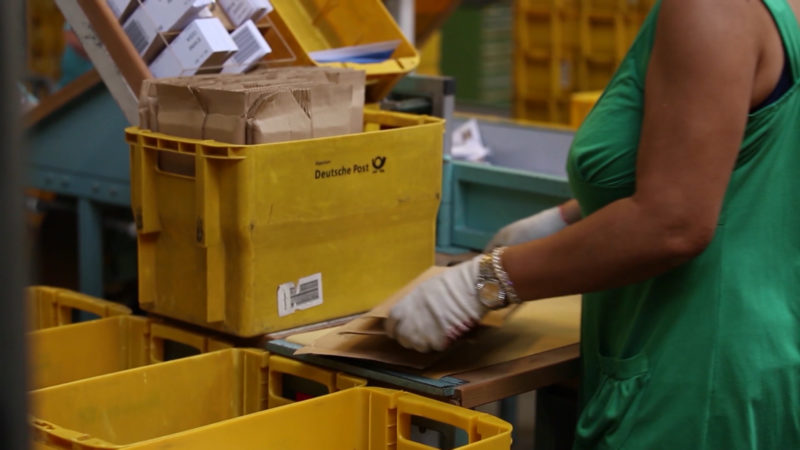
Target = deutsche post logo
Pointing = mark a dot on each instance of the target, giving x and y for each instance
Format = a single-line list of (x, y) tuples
[(377, 163)]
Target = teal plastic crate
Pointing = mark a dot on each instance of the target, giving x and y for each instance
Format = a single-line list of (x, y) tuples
[(526, 174)]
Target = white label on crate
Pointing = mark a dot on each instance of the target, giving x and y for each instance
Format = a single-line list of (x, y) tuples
[(303, 295)]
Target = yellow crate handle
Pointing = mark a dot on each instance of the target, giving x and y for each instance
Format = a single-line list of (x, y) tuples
[(208, 234), (160, 332), (409, 405), (144, 198), (279, 366), (55, 305)]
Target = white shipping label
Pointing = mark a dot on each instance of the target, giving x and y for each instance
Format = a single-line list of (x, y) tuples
[(303, 295)]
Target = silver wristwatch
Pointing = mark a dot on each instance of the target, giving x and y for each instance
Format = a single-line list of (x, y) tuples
[(493, 288)]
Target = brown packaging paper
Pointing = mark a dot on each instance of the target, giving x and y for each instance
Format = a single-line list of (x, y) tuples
[(259, 107), (364, 337), (280, 115), (179, 111)]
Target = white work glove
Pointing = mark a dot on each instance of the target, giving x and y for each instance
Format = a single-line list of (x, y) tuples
[(439, 310), (537, 226)]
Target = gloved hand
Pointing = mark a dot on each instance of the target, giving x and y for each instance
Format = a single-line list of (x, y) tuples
[(439, 310), (537, 226)]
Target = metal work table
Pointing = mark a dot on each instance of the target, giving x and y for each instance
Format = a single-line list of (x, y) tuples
[(468, 389)]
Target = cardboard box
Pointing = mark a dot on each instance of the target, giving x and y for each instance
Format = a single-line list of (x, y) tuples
[(174, 15), (240, 11), (252, 47), (143, 33), (151, 26), (122, 8), (261, 107), (178, 111), (203, 45)]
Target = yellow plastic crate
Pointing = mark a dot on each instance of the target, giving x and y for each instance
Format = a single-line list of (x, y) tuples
[(355, 419), (82, 350), (311, 25), (227, 234), (540, 75), (549, 26), (124, 408), (580, 105), (604, 36), (552, 109), (51, 306), (595, 73)]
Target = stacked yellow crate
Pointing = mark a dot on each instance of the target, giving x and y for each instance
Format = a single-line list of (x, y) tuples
[(45, 38), (604, 40), (566, 46), (544, 53)]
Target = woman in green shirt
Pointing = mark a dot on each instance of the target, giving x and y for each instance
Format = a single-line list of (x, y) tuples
[(686, 174)]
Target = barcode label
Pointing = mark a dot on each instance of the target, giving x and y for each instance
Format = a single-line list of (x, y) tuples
[(303, 295), (136, 34), (247, 44)]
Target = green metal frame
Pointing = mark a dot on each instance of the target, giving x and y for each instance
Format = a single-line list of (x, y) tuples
[(478, 199), (80, 151)]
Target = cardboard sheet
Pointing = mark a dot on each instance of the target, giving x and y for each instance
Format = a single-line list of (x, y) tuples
[(533, 327)]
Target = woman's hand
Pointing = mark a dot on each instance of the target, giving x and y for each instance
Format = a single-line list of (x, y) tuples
[(439, 310), (537, 226)]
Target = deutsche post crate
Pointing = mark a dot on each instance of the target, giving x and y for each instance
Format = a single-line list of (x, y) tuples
[(124, 408), (361, 418), (253, 239), (52, 306), (83, 350)]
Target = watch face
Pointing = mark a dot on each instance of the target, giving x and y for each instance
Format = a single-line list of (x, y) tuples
[(491, 294)]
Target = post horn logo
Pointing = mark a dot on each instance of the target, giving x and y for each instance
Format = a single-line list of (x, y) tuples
[(377, 163)]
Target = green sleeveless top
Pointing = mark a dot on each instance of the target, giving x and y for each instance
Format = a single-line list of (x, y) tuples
[(707, 355)]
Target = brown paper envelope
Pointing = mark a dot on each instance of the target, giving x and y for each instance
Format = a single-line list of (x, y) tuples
[(364, 336), (535, 327), (375, 348)]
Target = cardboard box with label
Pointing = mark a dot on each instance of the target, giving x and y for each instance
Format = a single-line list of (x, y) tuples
[(174, 15), (203, 45), (240, 11), (150, 25), (122, 8), (252, 47)]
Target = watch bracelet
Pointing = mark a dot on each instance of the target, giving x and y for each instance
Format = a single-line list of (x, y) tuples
[(486, 274), (502, 275)]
